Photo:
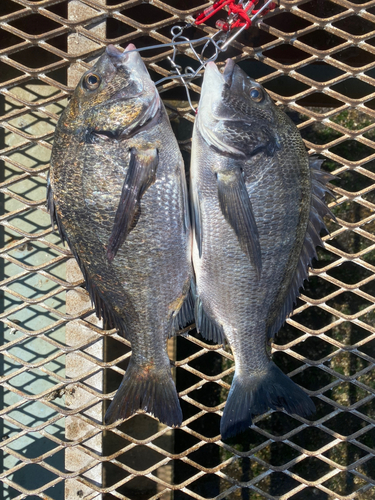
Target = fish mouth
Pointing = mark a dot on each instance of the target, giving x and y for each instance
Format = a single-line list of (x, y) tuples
[(212, 81), (130, 60), (119, 57), (229, 71), (213, 78), (139, 79), (212, 72)]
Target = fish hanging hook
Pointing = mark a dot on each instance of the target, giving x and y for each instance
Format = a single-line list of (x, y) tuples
[(238, 17), (189, 73)]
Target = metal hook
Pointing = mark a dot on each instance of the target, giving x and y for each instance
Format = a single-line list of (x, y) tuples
[(189, 72), (219, 46)]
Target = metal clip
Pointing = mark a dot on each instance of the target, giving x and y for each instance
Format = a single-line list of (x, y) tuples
[(220, 41)]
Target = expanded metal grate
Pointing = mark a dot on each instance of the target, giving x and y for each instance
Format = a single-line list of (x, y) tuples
[(60, 367)]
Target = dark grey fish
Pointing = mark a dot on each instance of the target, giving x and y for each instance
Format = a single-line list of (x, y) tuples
[(258, 209), (118, 194)]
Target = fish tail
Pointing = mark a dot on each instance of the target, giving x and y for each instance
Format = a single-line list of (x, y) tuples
[(151, 390), (253, 394)]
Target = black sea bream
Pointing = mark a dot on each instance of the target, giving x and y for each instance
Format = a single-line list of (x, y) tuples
[(118, 194), (257, 203)]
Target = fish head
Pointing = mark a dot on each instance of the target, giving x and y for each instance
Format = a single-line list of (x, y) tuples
[(113, 98), (236, 115)]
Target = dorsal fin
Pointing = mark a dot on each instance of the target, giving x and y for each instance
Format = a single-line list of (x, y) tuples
[(318, 210), (102, 308), (51, 208)]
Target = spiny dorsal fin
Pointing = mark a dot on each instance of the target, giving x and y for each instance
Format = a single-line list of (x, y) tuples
[(318, 210), (102, 308), (51, 207)]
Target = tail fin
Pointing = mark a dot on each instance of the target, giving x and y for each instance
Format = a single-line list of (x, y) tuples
[(255, 393), (151, 390)]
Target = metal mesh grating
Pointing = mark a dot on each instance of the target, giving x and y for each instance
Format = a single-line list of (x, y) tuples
[(316, 58)]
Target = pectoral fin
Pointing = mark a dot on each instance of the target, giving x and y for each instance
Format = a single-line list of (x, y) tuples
[(139, 177), (236, 207)]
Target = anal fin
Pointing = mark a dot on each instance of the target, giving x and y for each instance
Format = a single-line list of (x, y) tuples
[(185, 315), (206, 326)]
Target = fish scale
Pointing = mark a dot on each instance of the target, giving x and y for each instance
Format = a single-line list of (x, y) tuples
[(257, 204)]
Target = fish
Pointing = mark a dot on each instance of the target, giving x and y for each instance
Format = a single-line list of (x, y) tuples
[(117, 192), (257, 214)]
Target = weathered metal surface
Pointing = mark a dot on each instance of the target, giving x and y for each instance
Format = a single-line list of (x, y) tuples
[(317, 59), (78, 365)]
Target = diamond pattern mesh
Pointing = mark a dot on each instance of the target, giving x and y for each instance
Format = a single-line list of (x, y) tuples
[(316, 59)]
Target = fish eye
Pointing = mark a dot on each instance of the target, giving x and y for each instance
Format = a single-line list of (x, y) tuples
[(91, 81), (256, 94)]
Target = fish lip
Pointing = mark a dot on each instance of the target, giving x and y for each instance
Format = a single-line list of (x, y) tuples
[(226, 76), (119, 57), (113, 51), (213, 108), (228, 72), (212, 70), (212, 79), (131, 47)]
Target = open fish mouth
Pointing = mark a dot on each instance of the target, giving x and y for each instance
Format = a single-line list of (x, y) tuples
[(229, 71), (130, 61), (213, 76), (119, 57)]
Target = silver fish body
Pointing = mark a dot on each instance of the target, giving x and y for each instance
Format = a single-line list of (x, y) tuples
[(257, 218), (118, 194)]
